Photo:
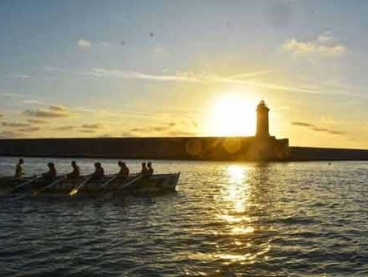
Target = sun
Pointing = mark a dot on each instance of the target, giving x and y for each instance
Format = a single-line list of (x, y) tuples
[(233, 114)]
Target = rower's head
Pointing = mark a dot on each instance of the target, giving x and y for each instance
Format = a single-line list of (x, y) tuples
[(143, 164), (51, 165), (120, 163), (73, 163), (97, 165), (21, 161), (149, 164)]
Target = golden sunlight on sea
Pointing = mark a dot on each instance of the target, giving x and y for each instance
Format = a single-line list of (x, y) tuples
[(235, 201)]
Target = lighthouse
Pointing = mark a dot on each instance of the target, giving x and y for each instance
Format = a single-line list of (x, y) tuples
[(262, 120)]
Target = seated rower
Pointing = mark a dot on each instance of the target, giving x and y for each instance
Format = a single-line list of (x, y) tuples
[(149, 170), (51, 174), (76, 171), (99, 172), (19, 169), (124, 170), (144, 170)]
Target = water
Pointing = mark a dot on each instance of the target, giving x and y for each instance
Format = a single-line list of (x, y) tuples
[(227, 219)]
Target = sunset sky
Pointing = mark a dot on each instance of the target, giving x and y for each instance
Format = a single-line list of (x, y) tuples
[(185, 68)]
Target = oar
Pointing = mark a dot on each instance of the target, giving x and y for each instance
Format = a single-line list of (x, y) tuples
[(52, 184), (75, 190), (130, 182), (113, 178), (26, 183), (125, 184)]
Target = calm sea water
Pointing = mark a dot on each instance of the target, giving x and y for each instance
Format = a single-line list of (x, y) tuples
[(226, 219)]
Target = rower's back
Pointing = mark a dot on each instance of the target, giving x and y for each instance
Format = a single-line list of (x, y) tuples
[(19, 169), (149, 169)]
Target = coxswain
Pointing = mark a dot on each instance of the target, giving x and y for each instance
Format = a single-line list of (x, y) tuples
[(19, 169), (150, 169), (99, 172), (51, 174), (124, 170), (76, 171)]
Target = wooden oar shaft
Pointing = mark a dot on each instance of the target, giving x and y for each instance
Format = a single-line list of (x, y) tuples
[(75, 190), (130, 182), (53, 183), (26, 183)]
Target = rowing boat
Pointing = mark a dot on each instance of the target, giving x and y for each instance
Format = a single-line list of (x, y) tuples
[(157, 183)]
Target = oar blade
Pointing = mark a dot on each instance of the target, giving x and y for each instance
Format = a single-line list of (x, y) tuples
[(73, 192)]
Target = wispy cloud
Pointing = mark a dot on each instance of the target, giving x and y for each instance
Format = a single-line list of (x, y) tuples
[(14, 124), (195, 78), (91, 126), (33, 102), (88, 131), (159, 128), (316, 128), (30, 129), (325, 44), (19, 76), (100, 72), (9, 134), (52, 111), (84, 44), (64, 128), (12, 95), (37, 121)]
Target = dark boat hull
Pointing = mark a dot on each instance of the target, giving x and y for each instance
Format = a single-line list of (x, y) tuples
[(158, 183)]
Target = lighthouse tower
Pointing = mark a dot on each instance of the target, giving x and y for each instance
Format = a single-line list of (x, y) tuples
[(262, 120)]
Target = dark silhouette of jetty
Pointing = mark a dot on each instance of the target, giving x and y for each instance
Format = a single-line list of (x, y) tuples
[(261, 147)]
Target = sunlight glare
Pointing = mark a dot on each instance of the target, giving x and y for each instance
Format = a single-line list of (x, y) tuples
[(232, 115)]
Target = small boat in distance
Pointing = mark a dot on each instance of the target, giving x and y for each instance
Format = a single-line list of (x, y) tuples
[(134, 184)]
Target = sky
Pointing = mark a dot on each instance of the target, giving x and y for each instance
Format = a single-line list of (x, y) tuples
[(185, 68)]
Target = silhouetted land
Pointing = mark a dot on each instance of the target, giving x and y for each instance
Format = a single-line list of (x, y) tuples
[(189, 148)]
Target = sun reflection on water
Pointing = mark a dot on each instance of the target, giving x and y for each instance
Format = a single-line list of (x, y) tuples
[(236, 191), (235, 203)]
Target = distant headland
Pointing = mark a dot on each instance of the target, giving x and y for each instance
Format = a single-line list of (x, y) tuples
[(261, 147)]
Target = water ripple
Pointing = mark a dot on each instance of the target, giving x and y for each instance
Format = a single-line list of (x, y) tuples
[(293, 219)]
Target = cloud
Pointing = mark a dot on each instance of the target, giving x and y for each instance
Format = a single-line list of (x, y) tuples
[(91, 126), (33, 102), (99, 72), (195, 78), (84, 44), (12, 95), (327, 38), (325, 44), (64, 128), (165, 127), (9, 134), (29, 129), (58, 108), (51, 112), (88, 131), (37, 121), (316, 128), (19, 76), (1, 115), (14, 124)]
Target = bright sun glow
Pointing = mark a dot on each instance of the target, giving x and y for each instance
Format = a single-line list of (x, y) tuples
[(232, 115)]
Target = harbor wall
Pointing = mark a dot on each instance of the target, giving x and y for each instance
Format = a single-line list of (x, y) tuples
[(174, 148), (326, 154)]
